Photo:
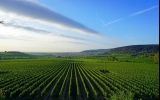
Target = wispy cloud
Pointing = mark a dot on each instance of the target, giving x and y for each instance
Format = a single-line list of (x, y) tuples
[(75, 42), (41, 31), (142, 11), (15, 38), (37, 11), (106, 24)]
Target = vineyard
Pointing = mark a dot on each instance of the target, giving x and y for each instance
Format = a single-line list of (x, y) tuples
[(60, 79)]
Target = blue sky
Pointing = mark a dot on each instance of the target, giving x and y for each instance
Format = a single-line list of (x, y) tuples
[(76, 25)]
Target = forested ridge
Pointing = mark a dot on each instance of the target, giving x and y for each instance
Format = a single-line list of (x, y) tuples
[(136, 49)]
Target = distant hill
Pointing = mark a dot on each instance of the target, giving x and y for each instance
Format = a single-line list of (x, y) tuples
[(14, 54), (94, 51), (136, 49)]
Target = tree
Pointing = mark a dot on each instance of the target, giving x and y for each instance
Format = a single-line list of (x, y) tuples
[(104, 60), (2, 97), (156, 58), (104, 65)]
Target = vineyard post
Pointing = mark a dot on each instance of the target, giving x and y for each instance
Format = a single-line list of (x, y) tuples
[(104, 65)]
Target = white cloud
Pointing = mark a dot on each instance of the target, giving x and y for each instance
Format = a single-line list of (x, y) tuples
[(37, 11), (27, 31)]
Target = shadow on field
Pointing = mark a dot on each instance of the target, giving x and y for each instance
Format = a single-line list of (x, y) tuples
[(104, 71), (4, 72)]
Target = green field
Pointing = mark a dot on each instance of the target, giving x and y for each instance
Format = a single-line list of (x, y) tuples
[(78, 79)]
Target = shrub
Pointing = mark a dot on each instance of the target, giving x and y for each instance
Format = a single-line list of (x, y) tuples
[(2, 97), (122, 96)]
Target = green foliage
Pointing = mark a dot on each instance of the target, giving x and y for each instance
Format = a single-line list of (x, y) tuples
[(156, 58), (2, 97), (122, 96), (14, 55), (113, 58), (22, 78), (136, 49)]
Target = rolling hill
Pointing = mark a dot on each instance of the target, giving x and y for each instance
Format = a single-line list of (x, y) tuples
[(14, 54), (136, 49), (94, 51)]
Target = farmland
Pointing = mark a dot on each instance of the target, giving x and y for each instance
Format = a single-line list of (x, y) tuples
[(78, 79)]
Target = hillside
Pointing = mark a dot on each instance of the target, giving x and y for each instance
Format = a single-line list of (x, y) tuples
[(136, 49), (14, 54), (94, 51)]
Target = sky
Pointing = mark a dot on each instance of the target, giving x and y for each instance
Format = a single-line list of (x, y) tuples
[(77, 25)]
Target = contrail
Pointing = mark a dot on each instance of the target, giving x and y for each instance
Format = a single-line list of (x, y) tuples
[(105, 25), (142, 11), (114, 21)]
